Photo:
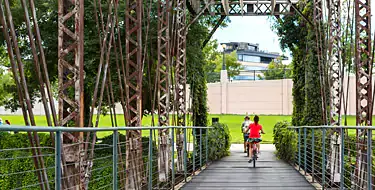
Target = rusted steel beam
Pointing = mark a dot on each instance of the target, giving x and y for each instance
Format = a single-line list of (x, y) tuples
[(334, 51), (364, 97), (363, 61), (8, 40), (43, 64), (70, 69), (180, 78), (221, 19), (70, 78), (122, 82), (250, 7), (163, 69), (134, 73), (12, 42), (318, 19), (335, 76)]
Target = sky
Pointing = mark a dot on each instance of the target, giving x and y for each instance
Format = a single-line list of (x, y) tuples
[(252, 29)]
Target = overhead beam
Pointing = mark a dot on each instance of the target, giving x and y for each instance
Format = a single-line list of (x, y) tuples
[(251, 7), (214, 30)]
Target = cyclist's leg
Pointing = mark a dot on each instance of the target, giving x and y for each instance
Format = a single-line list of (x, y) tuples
[(258, 143), (245, 137), (250, 149)]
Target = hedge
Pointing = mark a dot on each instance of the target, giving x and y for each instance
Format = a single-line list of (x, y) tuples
[(285, 141), (17, 168), (218, 141), (22, 168)]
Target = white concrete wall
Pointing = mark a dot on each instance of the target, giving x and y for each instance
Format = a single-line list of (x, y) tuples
[(38, 108), (262, 97)]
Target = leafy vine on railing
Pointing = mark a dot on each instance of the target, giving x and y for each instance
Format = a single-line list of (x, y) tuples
[(285, 141), (219, 139)]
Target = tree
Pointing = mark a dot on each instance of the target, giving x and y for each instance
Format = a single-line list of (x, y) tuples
[(298, 36), (231, 64), (276, 70), (6, 81), (214, 63), (47, 10), (210, 52)]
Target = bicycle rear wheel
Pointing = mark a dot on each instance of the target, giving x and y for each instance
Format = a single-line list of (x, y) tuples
[(254, 157), (248, 150)]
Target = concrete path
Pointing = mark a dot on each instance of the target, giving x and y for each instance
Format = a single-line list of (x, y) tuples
[(235, 173)]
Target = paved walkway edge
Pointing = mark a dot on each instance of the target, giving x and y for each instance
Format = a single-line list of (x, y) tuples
[(189, 178), (308, 177)]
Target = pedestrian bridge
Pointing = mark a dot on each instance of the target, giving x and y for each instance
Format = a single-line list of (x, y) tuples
[(324, 158), (234, 172)]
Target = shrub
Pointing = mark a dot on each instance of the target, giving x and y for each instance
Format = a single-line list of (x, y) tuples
[(285, 141), (218, 141)]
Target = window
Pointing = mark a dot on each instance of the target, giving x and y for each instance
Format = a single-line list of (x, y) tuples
[(249, 58), (245, 77), (251, 48), (240, 57), (253, 68)]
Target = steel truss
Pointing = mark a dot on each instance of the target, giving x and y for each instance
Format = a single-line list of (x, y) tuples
[(318, 19), (251, 7), (334, 51), (163, 87), (180, 78), (335, 79), (133, 90), (363, 60), (17, 65), (70, 73)]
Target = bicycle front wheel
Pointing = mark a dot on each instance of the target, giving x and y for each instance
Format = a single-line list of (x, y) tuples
[(254, 158)]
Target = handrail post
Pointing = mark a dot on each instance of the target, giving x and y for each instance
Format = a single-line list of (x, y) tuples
[(173, 173), (200, 148), (114, 159), (304, 151), (342, 165), (206, 147), (185, 155), (313, 154), (299, 149), (58, 160), (369, 159), (194, 151), (150, 144), (323, 158)]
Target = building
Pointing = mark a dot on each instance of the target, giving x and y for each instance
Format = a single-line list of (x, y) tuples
[(253, 60)]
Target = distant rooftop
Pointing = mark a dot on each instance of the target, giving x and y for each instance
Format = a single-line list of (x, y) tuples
[(246, 48)]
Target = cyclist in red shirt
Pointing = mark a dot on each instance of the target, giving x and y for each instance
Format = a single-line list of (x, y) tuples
[(254, 135)]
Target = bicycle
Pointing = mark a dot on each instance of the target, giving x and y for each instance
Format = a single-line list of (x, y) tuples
[(255, 152), (248, 147)]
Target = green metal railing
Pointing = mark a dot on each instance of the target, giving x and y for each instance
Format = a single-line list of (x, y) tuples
[(338, 157), (195, 148)]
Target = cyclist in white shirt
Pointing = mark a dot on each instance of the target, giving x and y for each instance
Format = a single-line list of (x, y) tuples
[(244, 127)]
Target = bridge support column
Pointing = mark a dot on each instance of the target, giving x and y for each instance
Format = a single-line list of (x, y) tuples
[(179, 48), (163, 88), (363, 61)]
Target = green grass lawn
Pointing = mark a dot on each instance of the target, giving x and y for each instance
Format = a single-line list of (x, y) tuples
[(233, 122)]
